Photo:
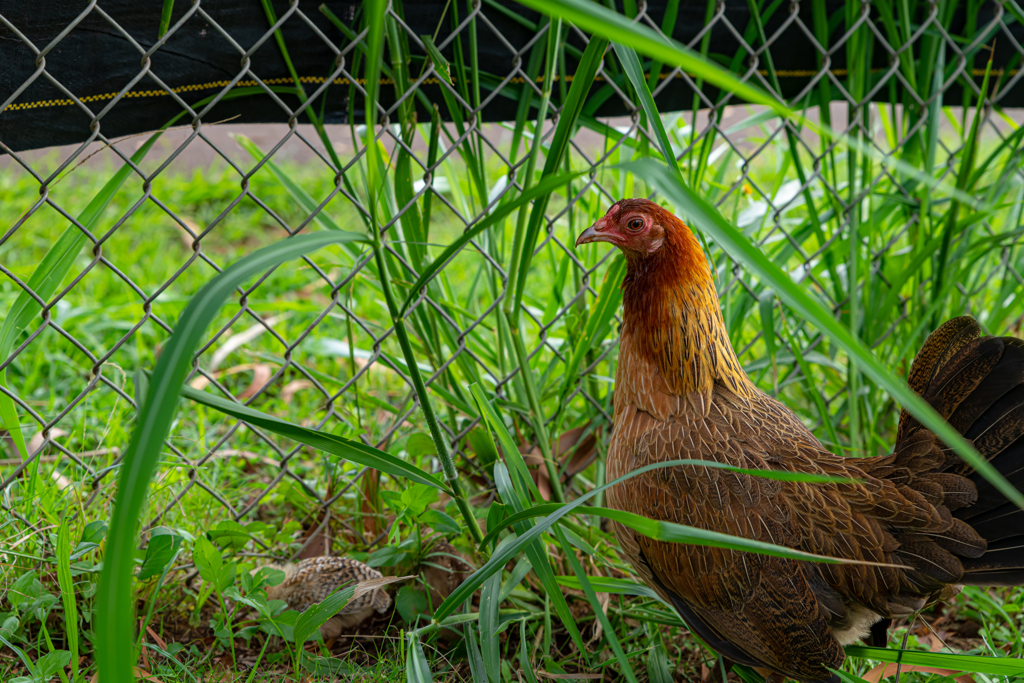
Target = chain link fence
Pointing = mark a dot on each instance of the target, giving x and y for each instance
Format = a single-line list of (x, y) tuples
[(317, 329)]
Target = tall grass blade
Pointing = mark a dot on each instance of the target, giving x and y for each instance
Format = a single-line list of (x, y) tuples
[(490, 645), (501, 556), (545, 187), (999, 666), (564, 130), (317, 614), (607, 305), (46, 278), (599, 20), (417, 669), (324, 441), (67, 593), (635, 73), (114, 604), (59, 259)]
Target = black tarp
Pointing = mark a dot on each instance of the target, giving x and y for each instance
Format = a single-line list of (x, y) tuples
[(97, 59)]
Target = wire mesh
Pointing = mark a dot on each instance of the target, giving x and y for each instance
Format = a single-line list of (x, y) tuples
[(336, 313)]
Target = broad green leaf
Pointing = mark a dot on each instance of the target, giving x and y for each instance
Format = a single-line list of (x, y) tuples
[(409, 602), (161, 550), (50, 663), (419, 444), (388, 556), (440, 522), (207, 560)]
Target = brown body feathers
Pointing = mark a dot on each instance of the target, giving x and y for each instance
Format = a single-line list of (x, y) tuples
[(314, 579), (680, 392)]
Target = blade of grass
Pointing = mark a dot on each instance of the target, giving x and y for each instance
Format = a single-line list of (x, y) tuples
[(546, 186), (635, 73), (524, 241), (999, 666), (46, 278), (375, 23), (607, 305), (599, 613), (524, 245), (599, 20), (500, 557), (604, 22), (417, 669), (610, 585), (490, 646), (324, 441), (67, 593), (114, 604), (963, 179), (59, 259), (518, 499), (165, 23)]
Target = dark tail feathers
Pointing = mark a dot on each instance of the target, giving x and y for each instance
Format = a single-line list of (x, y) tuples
[(977, 384)]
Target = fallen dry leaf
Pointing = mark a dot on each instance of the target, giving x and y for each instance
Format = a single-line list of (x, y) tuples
[(261, 374), (242, 338), (364, 587), (156, 639), (289, 390), (36, 442)]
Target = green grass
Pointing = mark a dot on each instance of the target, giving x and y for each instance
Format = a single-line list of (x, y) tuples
[(515, 311)]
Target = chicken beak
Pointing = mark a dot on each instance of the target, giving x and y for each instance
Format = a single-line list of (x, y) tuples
[(595, 233)]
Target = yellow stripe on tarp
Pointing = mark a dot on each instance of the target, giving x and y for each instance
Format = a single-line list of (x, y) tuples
[(317, 80)]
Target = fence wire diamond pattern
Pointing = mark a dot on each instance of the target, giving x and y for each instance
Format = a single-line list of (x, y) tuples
[(336, 314)]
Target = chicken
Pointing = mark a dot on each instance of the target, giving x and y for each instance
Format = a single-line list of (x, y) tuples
[(315, 578), (680, 392)]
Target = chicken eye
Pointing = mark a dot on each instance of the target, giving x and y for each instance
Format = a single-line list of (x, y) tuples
[(636, 224)]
